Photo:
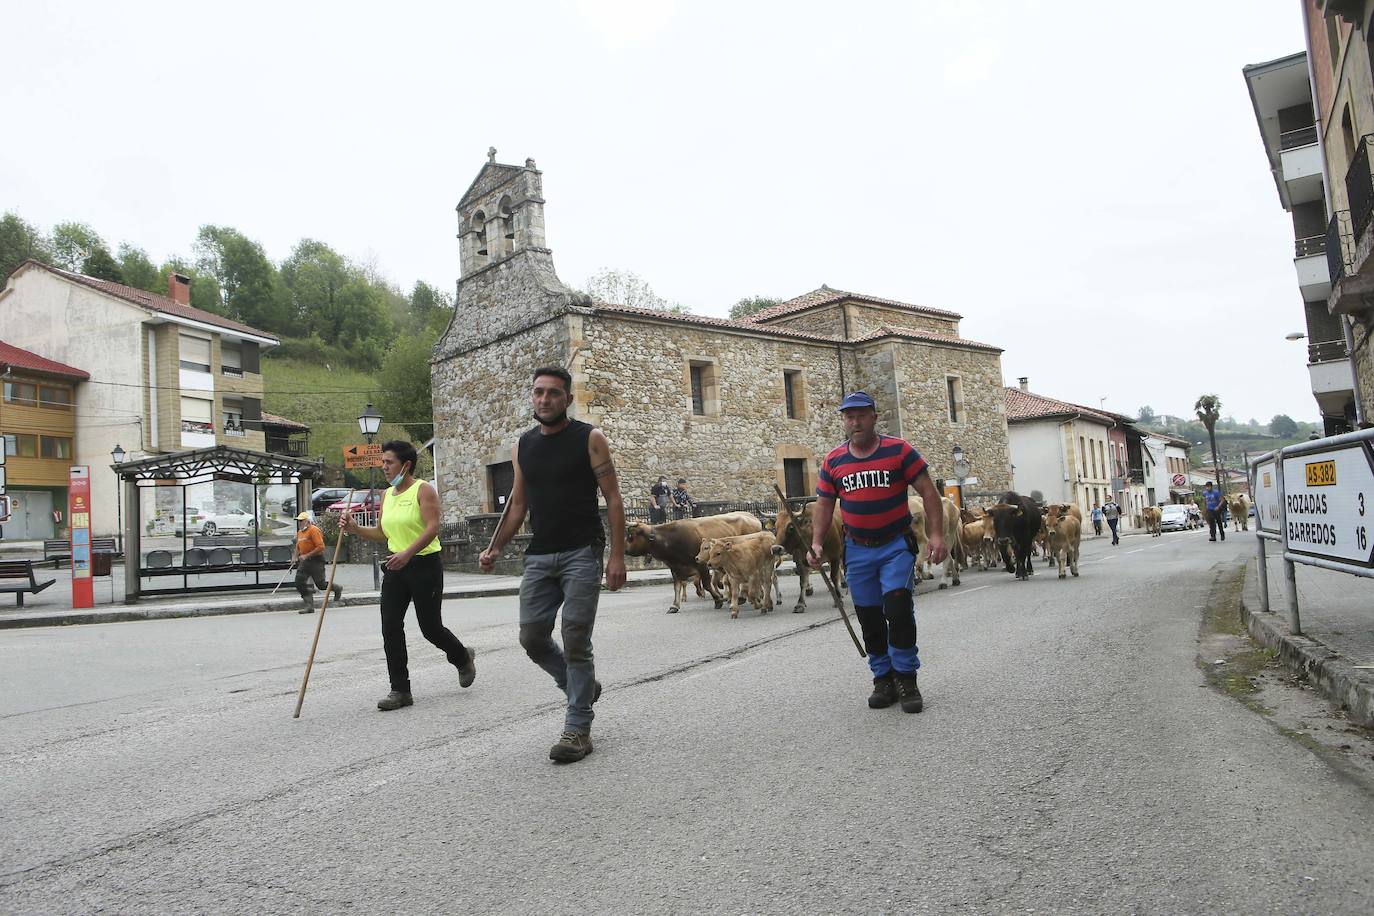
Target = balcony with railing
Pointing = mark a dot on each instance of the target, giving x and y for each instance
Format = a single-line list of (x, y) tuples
[(1327, 351), (1296, 139), (1340, 246), (1359, 188), (1137, 475)]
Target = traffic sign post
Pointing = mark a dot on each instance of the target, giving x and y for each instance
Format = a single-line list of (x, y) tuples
[(368, 455), (79, 523), (1317, 500)]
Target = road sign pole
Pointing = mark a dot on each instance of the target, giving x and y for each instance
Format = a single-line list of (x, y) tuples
[(1290, 576)]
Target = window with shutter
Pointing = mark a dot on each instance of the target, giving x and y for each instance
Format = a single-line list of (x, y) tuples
[(195, 353)]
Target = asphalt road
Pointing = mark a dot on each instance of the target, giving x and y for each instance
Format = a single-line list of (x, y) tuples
[(1071, 758)]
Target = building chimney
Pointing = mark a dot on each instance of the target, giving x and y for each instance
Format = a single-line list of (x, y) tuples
[(1024, 382), (179, 288)]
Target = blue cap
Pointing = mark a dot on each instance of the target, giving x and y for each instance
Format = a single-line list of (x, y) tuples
[(856, 399)]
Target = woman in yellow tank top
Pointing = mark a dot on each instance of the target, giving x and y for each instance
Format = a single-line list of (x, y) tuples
[(409, 526)]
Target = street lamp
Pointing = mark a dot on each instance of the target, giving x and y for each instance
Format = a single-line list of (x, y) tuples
[(1294, 335), (961, 468), (118, 457), (369, 421)]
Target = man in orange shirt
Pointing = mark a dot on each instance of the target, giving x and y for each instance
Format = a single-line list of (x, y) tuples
[(309, 555)]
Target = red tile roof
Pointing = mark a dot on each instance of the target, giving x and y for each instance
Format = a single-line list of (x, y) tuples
[(1023, 405), (271, 419), (826, 296), (15, 358), (746, 325), (142, 297)]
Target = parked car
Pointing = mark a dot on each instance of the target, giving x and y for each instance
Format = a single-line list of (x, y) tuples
[(211, 523), (360, 502), (1175, 518), (323, 497)]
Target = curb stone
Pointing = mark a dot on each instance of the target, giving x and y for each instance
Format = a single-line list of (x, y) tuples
[(125, 614), (1328, 671)]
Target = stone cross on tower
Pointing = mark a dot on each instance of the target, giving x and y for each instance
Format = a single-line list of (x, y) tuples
[(491, 154)]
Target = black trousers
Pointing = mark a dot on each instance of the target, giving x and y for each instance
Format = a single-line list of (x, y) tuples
[(1112, 523), (1216, 522), (420, 581), (311, 569)]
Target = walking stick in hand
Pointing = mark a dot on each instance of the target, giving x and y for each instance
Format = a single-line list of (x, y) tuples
[(834, 592), (319, 621), (283, 578)]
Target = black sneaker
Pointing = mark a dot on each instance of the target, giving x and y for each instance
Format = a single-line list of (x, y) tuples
[(468, 673), (571, 747), (908, 692), (884, 692), (395, 700)]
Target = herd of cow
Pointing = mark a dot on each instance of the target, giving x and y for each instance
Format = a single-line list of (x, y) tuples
[(736, 556)]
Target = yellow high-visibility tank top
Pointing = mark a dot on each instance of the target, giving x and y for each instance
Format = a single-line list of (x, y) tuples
[(401, 520)]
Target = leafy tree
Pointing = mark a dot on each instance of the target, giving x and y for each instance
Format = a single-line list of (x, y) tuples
[(314, 274), (20, 241), (138, 271), (1147, 415), (102, 265), (1283, 426), (72, 244), (751, 304), (251, 289), (623, 287), (430, 307), (1208, 408), (406, 395)]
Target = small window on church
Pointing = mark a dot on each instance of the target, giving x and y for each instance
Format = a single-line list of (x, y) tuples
[(507, 219), (954, 395), (704, 388), (794, 394)]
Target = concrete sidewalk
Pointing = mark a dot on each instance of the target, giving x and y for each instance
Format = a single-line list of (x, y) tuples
[(52, 607), (1336, 648)]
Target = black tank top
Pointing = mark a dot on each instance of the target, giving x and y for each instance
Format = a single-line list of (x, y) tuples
[(560, 489)]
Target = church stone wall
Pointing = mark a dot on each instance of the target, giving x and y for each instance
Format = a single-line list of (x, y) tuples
[(481, 406), (865, 319), (639, 392), (982, 430), (828, 321)]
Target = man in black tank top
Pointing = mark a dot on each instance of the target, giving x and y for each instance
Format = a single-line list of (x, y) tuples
[(560, 465)]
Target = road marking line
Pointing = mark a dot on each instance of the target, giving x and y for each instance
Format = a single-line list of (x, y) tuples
[(1105, 559), (1138, 549), (965, 591)]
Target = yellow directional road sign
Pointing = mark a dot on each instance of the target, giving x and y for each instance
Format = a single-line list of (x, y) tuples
[(363, 456)]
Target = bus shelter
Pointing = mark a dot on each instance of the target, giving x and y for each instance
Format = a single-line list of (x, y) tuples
[(207, 465)]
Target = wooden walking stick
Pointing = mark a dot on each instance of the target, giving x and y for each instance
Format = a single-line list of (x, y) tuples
[(319, 621), (820, 569), (283, 578)]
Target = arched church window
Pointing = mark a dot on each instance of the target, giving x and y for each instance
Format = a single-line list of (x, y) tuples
[(479, 223)]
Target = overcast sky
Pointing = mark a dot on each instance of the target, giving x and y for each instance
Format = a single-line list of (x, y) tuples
[(1084, 182)]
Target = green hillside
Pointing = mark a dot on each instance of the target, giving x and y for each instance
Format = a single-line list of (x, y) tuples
[(328, 399)]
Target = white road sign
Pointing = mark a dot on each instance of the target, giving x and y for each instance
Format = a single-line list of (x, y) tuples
[(1329, 504), (1265, 487)]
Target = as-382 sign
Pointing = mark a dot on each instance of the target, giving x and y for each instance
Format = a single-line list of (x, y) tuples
[(1328, 504)]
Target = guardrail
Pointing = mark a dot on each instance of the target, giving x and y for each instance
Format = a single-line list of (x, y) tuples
[(1316, 499)]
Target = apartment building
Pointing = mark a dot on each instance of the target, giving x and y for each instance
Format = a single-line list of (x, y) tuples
[(1340, 59), (38, 416), (1282, 97), (164, 376)]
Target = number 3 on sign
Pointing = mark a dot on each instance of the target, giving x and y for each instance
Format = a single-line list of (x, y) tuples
[(1362, 504)]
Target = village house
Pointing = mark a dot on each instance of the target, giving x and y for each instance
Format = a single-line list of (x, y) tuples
[(734, 406)]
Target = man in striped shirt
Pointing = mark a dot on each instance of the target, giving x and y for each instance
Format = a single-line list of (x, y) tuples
[(869, 475)]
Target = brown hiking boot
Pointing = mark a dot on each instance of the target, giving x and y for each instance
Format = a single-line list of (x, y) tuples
[(571, 747), (884, 692), (395, 700), (908, 692)]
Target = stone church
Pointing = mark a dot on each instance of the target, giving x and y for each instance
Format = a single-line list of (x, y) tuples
[(733, 406)]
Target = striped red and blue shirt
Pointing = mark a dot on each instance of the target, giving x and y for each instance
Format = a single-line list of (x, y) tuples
[(872, 490)]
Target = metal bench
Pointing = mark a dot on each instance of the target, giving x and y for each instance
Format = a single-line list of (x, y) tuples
[(56, 550), (17, 572)]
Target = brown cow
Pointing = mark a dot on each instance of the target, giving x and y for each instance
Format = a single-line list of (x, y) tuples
[(1063, 530), (749, 562), (975, 533), (675, 544), (1240, 512), (1151, 516), (953, 544), (794, 534), (1042, 537)]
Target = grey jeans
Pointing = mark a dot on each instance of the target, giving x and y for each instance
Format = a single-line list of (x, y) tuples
[(572, 580)]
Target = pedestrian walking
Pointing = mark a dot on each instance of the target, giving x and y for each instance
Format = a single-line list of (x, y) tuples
[(1112, 513), (1097, 520), (869, 476), (308, 554), (684, 506), (408, 524), (1215, 502), (660, 497), (560, 465)]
